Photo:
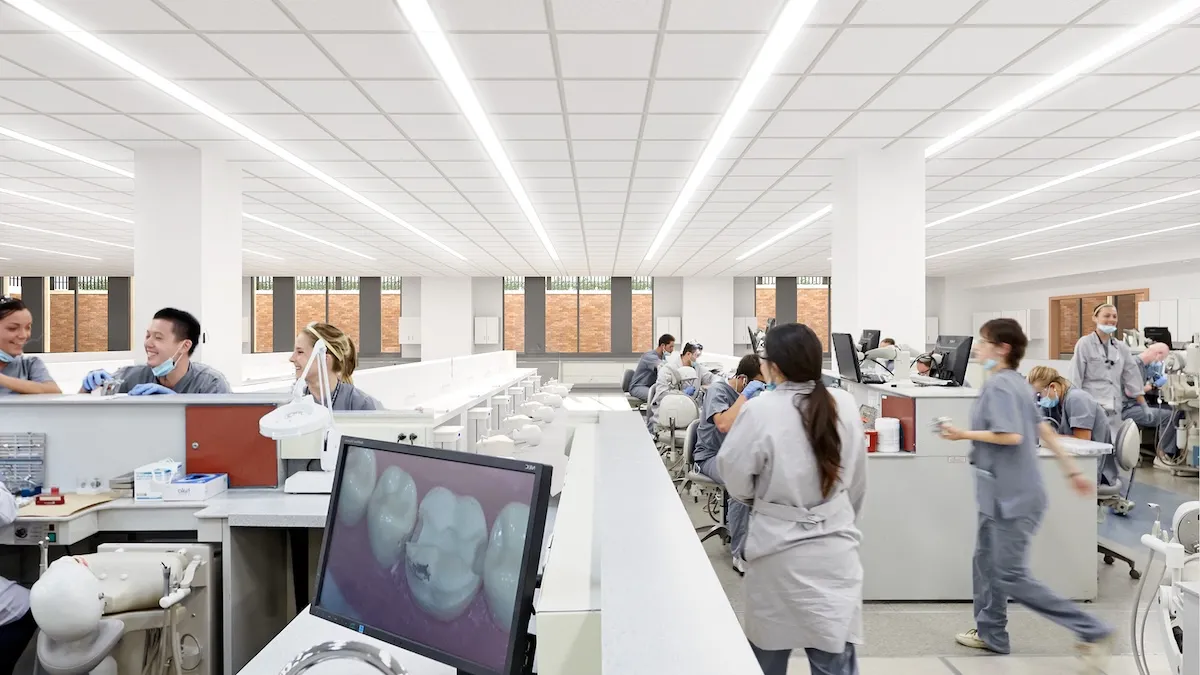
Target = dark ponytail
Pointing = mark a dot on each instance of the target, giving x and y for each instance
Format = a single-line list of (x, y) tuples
[(795, 352)]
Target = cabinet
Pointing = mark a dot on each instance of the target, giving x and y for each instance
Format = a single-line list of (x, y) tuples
[(410, 330), (932, 329), (1181, 317), (742, 327), (487, 330), (672, 325)]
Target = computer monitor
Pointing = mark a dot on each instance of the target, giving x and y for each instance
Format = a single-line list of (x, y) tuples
[(434, 551), (847, 360), (956, 352), (868, 341), (1159, 334)]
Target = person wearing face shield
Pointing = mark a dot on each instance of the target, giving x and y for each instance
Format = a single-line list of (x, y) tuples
[(674, 378), (1104, 367), (171, 340), (1161, 418), (20, 373)]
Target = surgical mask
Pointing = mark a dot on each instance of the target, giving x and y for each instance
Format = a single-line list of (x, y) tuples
[(5, 357), (990, 364), (1048, 402), (770, 386), (163, 369), (1107, 329)]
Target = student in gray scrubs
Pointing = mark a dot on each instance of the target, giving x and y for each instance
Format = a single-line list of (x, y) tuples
[(170, 342), (722, 404), (647, 368), (1005, 428), (19, 372), (1104, 367), (1073, 412), (341, 359)]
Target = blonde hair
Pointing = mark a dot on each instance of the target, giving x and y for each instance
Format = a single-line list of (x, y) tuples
[(1103, 305), (341, 348), (1041, 377)]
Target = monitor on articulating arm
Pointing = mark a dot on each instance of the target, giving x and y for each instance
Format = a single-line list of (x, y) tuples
[(868, 341), (956, 352), (1159, 334), (435, 552)]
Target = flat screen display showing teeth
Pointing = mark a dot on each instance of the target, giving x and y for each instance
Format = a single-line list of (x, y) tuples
[(434, 551)]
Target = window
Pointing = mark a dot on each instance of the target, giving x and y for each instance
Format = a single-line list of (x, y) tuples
[(812, 306), (595, 315), (331, 300), (264, 315), (310, 300), (389, 314), (12, 287), (562, 315), (78, 314), (1071, 316), (514, 314), (643, 314), (764, 300)]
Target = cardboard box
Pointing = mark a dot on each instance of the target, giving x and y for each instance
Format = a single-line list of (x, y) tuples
[(196, 487), (152, 480)]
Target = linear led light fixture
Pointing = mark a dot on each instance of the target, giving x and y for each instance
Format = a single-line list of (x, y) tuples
[(260, 253), (64, 235), (425, 25), (70, 207), (18, 136), (1085, 219), (782, 34), (298, 233), (1108, 51), (808, 220), (1069, 177), (42, 250), (1107, 241), (118, 58)]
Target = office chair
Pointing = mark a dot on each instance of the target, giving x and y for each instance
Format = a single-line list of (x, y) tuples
[(700, 485), (1127, 450), (676, 412), (626, 382)]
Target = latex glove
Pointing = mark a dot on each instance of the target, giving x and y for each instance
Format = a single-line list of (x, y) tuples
[(95, 379), (689, 390), (1160, 381), (150, 389), (754, 388)]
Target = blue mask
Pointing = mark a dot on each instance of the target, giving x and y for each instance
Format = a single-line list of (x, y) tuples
[(990, 364), (770, 386), (1108, 330), (1047, 402), (163, 369), (5, 357)]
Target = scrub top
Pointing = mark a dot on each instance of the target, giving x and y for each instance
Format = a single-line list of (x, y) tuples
[(349, 397), (720, 397), (25, 367), (1078, 410), (1149, 372), (1106, 369), (647, 370), (1008, 483), (200, 379)]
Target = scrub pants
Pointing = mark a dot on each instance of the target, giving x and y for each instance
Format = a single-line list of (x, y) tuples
[(1001, 572), (737, 514), (819, 662), (1162, 419), (14, 637), (640, 391)]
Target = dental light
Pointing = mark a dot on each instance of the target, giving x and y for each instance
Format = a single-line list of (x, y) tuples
[(304, 415)]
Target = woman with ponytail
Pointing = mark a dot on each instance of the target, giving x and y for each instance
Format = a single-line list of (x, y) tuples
[(797, 455)]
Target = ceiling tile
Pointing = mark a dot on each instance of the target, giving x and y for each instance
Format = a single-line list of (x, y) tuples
[(518, 96), (707, 55), (610, 55), (875, 50), (718, 15), (367, 15), (828, 92), (940, 12), (687, 96), (504, 55), (592, 96), (107, 15), (457, 15), (411, 96), (215, 15), (385, 55), (276, 55), (323, 96), (589, 15), (979, 50)]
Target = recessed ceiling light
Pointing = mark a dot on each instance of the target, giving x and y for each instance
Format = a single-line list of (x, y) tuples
[(782, 34), (298, 233), (42, 250), (425, 25), (1107, 241), (806, 221), (260, 253), (16, 135), (66, 236), (70, 207), (1105, 53), (1069, 177), (1069, 222), (118, 58)]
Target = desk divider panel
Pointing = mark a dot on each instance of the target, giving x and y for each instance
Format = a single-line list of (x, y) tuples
[(225, 439)]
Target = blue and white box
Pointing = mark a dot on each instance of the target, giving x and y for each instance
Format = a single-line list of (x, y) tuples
[(196, 487), (151, 481)]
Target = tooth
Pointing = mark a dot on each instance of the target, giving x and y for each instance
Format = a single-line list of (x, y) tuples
[(444, 559), (502, 566), (357, 483), (392, 515)]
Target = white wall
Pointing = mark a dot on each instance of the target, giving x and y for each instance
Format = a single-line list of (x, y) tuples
[(708, 313), (447, 318), (410, 305), (487, 299)]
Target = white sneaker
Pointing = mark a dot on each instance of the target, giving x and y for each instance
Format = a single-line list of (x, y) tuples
[(739, 566), (971, 639), (1094, 656)]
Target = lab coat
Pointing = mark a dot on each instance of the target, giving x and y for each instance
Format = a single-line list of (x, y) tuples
[(803, 573)]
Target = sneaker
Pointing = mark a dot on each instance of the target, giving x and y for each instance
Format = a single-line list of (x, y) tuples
[(1093, 656), (971, 639), (739, 566)]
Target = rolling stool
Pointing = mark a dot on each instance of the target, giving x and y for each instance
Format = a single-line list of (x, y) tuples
[(1128, 452), (706, 486)]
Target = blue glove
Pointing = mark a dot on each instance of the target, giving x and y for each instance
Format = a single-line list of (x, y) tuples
[(150, 389), (95, 379), (1160, 380), (754, 388), (689, 390)]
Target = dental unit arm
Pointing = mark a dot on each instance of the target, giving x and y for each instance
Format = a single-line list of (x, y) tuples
[(1182, 392), (1180, 548)]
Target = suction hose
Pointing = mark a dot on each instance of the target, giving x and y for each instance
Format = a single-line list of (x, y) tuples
[(1139, 656)]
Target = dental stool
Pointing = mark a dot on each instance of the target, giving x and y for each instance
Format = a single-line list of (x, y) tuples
[(676, 412), (627, 382), (1127, 449), (699, 485)]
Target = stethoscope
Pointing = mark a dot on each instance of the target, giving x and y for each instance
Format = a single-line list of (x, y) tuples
[(1104, 344)]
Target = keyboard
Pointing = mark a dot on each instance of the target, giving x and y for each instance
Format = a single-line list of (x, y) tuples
[(871, 378), (927, 381)]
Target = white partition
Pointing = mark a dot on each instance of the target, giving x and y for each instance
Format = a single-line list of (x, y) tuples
[(726, 362), (69, 357), (69, 369), (595, 372)]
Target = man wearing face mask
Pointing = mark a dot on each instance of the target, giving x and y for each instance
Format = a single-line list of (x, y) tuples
[(170, 342)]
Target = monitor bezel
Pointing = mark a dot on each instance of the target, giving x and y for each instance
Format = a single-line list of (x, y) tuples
[(853, 357), (519, 640)]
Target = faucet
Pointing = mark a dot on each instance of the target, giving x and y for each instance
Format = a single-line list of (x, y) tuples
[(378, 659)]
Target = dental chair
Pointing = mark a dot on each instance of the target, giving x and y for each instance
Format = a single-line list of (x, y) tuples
[(1127, 450), (698, 485), (676, 412)]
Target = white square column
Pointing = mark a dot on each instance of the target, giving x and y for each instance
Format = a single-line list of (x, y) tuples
[(878, 277), (188, 249)]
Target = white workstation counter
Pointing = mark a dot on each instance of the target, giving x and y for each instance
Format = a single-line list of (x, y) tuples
[(919, 518)]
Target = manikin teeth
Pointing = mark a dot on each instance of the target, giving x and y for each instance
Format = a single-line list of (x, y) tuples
[(444, 559), (357, 483), (392, 515), (502, 567)]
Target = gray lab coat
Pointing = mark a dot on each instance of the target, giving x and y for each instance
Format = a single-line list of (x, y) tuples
[(803, 573), (1108, 383), (670, 381), (25, 367), (200, 379), (349, 397)]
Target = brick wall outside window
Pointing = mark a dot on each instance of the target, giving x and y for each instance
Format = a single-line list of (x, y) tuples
[(92, 323), (812, 308), (264, 321), (595, 322), (514, 321), (562, 325), (643, 322), (62, 322), (764, 305), (389, 316)]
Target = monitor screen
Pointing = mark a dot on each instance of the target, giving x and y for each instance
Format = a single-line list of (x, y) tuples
[(956, 352), (434, 551), (869, 340), (847, 360)]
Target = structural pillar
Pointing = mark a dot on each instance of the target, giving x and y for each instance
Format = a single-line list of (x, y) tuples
[(35, 293), (188, 248), (878, 278)]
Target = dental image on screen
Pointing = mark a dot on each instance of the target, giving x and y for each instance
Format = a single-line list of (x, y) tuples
[(429, 550)]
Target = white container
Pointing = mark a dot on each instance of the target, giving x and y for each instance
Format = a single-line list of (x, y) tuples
[(448, 437), (196, 487), (152, 480), (888, 429)]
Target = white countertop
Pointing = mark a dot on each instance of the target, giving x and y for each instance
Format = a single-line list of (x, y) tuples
[(908, 389)]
